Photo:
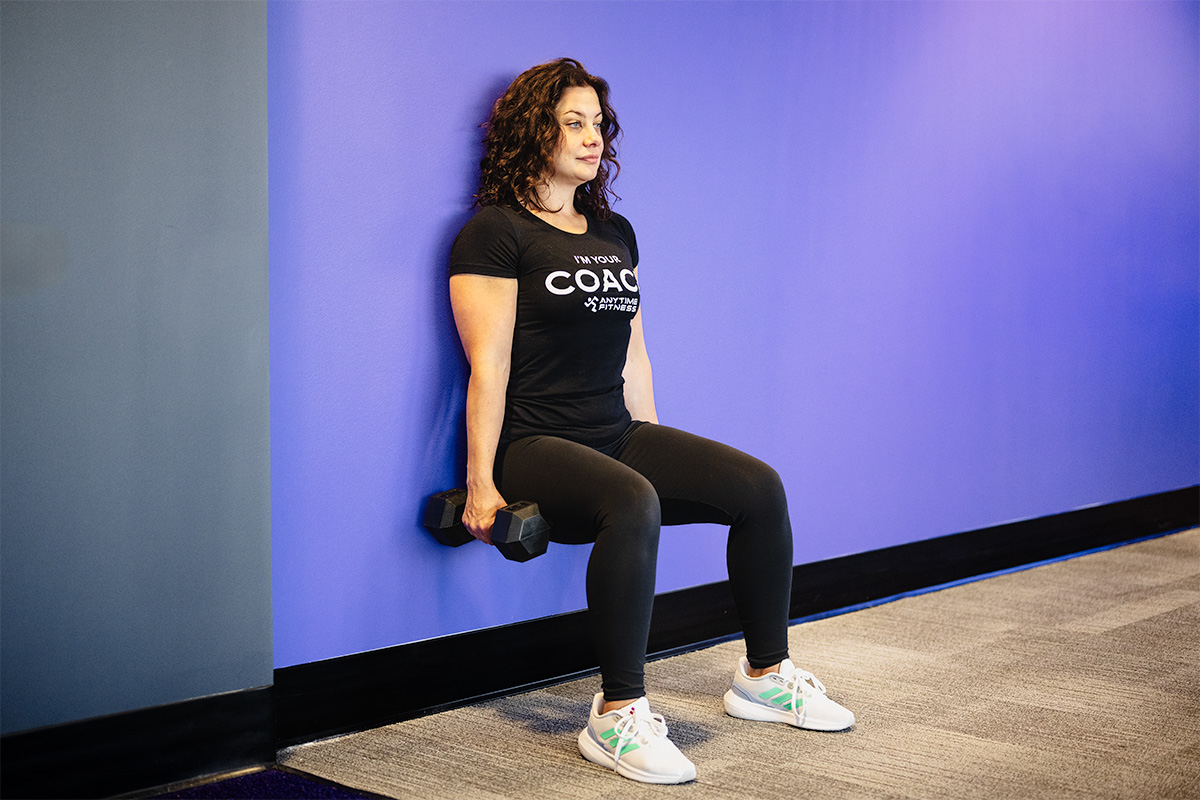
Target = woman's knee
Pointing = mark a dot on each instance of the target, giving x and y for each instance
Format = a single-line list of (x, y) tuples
[(761, 494), (770, 486), (631, 503)]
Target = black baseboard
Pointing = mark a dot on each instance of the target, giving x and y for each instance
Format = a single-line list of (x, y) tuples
[(136, 750), (932, 562), (366, 690)]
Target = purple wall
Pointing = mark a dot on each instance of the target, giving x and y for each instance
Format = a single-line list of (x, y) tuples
[(937, 263)]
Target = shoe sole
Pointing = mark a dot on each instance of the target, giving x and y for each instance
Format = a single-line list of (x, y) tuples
[(598, 755), (741, 708)]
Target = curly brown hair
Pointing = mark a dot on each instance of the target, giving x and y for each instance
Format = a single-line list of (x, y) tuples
[(523, 132)]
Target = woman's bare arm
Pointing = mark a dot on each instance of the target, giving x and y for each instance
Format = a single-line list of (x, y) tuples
[(485, 310), (639, 382)]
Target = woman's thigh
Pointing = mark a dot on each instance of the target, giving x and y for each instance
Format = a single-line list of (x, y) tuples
[(578, 490), (700, 480)]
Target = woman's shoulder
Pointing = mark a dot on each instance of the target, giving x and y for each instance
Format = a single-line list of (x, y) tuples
[(624, 230), (488, 244), (488, 225), (618, 223), (491, 218)]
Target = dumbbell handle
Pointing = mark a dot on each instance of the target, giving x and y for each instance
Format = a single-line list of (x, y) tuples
[(443, 518)]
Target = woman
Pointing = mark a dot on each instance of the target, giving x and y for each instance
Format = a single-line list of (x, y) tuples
[(560, 411)]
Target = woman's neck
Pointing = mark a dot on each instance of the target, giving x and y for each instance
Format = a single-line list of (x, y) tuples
[(570, 220), (559, 204)]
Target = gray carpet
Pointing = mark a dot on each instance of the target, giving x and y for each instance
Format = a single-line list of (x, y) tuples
[(1077, 679)]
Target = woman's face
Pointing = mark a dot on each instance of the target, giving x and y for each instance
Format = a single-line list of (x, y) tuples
[(577, 157)]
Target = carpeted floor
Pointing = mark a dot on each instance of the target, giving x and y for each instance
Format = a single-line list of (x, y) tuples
[(1078, 679)]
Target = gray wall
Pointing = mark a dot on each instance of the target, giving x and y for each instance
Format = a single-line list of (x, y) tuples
[(135, 481)]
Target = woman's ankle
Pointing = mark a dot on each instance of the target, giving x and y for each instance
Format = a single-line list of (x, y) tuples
[(754, 672), (614, 705)]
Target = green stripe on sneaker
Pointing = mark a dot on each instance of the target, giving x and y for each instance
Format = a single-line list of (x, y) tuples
[(610, 738), (769, 693)]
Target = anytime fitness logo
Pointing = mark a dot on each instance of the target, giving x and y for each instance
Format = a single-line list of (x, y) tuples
[(597, 284)]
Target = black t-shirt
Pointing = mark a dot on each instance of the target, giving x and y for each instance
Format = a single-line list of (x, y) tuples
[(576, 296)]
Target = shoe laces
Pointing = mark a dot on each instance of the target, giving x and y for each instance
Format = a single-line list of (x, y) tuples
[(642, 727), (802, 684)]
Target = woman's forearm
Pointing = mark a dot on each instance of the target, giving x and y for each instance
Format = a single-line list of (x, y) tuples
[(639, 380), (639, 391), (485, 415)]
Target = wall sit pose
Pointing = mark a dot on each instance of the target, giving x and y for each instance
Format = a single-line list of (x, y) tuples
[(560, 411)]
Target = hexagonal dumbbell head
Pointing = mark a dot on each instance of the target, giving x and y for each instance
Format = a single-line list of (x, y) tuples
[(520, 532), (443, 517)]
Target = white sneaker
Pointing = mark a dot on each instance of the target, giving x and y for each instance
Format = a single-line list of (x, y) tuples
[(792, 695), (634, 742)]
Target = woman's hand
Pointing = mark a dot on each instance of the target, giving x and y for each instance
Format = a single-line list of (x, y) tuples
[(480, 512)]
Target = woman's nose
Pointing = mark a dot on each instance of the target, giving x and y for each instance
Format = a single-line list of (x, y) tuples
[(593, 137)]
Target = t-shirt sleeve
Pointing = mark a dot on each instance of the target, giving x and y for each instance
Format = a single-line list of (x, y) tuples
[(487, 245), (626, 231)]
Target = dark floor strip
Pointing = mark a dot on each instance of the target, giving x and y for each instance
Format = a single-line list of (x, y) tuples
[(274, 783)]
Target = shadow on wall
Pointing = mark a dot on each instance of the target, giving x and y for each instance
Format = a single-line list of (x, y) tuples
[(446, 449)]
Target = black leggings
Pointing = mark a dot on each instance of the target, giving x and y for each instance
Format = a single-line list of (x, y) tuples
[(661, 476)]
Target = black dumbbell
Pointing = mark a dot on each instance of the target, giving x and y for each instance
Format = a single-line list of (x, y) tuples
[(519, 533)]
